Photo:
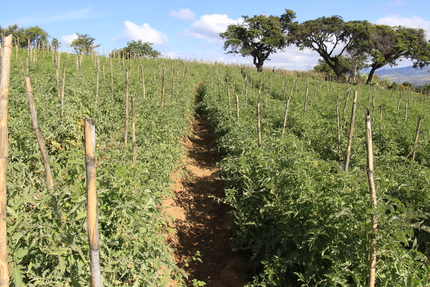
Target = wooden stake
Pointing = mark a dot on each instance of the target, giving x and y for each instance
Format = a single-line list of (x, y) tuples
[(133, 129), (111, 78), (339, 129), (417, 136), (92, 204), (373, 200), (39, 137), (287, 108), (143, 82), (97, 80), (305, 108), (62, 92), (351, 132), (4, 93), (259, 116), (173, 83), (162, 87), (126, 108)]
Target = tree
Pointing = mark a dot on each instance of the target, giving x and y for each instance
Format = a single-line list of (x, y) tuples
[(332, 38), (84, 44), (55, 44), (26, 37), (259, 36), (137, 49), (387, 45)]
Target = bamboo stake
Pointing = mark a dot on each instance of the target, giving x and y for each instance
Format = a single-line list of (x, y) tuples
[(173, 83), (111, 78), (143, 81), (97, 80), (373, 200), (287, 108), (237, 106), (417, 135), (39, 137), (339, 129), (351, 132), (162, 87), (406, 111), (126, 108), (228, 93), (306, 98), (4, 93), (259, 116), (133, 129), (92, 216), (62, 92)]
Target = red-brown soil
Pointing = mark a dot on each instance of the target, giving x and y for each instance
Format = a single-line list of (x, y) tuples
[(203, 224)]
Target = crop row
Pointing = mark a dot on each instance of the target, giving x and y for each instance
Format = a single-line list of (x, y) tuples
[(47, 237), (303, 218)]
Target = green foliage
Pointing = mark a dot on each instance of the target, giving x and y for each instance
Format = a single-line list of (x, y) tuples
[(305, 221), (84, 44), (47, 231), (385, 45), (136, 49), (258, 36), (26, 37)]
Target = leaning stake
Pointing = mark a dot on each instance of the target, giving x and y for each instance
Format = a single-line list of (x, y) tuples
[(351, 132), (92, 218), (4, 92), (370, 168), (39, 137)]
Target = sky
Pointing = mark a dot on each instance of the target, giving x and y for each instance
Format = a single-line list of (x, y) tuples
[(189, 29)]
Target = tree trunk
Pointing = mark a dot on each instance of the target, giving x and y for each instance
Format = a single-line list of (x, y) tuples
[(258, 62), (370, 77)]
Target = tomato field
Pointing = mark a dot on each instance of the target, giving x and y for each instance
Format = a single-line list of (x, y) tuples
[(301, 216)]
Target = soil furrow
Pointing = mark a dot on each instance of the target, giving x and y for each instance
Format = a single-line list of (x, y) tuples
[(203, 224)]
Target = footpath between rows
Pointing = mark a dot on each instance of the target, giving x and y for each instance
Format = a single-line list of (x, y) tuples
[(204, 225)]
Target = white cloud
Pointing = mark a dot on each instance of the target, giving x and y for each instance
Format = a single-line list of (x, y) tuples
[(412, 22), (294, 59), (68, 39), (145, 33), (208, 27), (183, 14)]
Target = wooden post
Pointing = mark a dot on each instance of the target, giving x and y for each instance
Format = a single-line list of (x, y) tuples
[(39, 137), (143, 82), (259, 116), (162, 87), (133, 129), (373, 200), (126, 108), (62, 92), (417, 136), (173, 83), (351, 132), (287, 108), (92, 205), (305, 107), (97, 80), (4, 93), (339, 129)]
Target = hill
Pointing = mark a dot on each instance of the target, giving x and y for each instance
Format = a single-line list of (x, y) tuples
[(417, 77)]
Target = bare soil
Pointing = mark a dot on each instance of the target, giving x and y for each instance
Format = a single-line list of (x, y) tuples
[(203, 224)]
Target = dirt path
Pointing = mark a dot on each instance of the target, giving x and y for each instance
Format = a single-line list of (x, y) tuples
[(202, 223)]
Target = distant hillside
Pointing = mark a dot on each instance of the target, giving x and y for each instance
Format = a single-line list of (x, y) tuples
[(417, 77)]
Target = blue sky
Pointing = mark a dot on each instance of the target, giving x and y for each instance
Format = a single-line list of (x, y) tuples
[(189, 29)]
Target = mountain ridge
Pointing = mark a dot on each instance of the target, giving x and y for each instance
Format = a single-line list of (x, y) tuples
[(417, 77)]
